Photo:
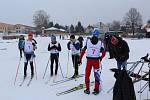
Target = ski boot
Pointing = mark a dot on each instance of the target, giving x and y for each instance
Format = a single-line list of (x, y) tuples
[(95, 92), (32, 75), (74, 76), (24, 76), (87, 91)]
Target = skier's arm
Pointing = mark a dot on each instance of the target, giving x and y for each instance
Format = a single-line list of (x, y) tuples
[(34, 46), (59, 47), (49, 47), (68, 45), (103, 53), (82, 53), (34, 41)]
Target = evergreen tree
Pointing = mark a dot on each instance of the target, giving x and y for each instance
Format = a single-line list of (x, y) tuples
[(57, 26), (51, 24), (72, 29)]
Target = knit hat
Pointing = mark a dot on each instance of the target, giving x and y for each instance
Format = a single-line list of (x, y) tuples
[(30, 34), (53, 38), (96, 32), (72, 37)]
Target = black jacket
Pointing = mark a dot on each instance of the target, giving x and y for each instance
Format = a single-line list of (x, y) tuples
[(121, 50), (123, 88), (54, 47), (80, 39)]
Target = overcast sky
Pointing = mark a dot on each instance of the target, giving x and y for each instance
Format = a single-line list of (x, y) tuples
[(68, 12)]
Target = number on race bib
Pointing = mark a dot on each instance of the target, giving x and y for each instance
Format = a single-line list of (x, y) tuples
[(93, 50)]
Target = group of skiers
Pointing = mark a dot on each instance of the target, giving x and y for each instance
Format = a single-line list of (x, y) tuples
[(94, 49)]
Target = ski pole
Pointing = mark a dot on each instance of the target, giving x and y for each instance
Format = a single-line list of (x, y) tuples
[(67, 64), (46, 68), (139, 70), (110, 90), (35, 68), (17, 71), (60, 67), (143, 88)]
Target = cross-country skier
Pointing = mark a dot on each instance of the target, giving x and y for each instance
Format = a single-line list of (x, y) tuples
[(54, 47), (20, 44), (74, 46), (94, 54), (29, 48)]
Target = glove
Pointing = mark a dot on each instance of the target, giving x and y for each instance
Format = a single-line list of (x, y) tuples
[(34, 55), (100, 59), (53, 47), (79, 62)]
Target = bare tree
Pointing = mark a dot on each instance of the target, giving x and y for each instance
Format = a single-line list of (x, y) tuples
[(133, 19), (40, 19), (115, 25)]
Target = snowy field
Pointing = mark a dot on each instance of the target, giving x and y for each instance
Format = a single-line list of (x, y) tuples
[(38, 90)]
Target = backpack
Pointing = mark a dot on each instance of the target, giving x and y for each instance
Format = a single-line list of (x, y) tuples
[(21, 44)]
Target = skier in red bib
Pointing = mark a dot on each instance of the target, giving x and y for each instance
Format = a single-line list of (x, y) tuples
[(94, 54)]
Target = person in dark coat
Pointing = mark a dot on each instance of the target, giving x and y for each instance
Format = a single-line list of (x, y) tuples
[(74, 46), (21, 44), (123, 88), (120, 51), (108, 45), (80, 39)]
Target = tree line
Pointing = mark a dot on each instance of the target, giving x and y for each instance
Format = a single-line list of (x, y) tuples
[(42, 19), (131, 23)]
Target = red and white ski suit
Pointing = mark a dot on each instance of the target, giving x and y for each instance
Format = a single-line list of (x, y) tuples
[(94, 54)]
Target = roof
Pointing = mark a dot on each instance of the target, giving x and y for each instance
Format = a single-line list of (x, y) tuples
[(148, 29), (54, 29)]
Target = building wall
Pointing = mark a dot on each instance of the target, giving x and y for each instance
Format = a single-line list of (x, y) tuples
[(18, 28), (6, 28)]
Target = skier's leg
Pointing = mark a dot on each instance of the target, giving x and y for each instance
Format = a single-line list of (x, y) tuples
[(30, 58), (73, 61), (56, 63), (25, 65), (76, 64), (25, 68), (87, 73), (32, 68), (20, 53), (96, 75), (52, 62)]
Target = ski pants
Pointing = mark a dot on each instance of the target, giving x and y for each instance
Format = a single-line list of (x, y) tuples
[(21, 52), (54, 57), (28, 58), (95, 64), (75, 60)]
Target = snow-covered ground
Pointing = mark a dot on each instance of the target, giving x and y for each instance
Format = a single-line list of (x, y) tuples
[(38, 90)]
